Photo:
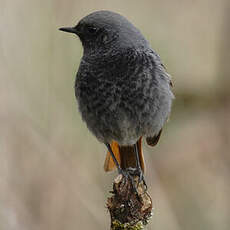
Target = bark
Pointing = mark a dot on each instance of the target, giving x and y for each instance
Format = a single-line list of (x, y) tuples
[(129, 209)]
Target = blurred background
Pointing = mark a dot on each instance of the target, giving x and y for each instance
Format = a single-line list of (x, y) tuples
[(51, 167)]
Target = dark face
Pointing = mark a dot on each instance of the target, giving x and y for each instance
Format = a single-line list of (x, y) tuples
[(93, 35), (103, 32)]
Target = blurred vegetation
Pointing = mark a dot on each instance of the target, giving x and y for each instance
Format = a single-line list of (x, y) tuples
[(51, 167)]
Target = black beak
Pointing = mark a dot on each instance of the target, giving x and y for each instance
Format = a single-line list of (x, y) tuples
[(68, 29)]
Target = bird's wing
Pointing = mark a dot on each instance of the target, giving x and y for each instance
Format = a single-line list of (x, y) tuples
[(152, 141)]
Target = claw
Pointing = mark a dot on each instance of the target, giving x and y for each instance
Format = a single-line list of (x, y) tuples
[(129, 174), (141, 179), (139, 171)]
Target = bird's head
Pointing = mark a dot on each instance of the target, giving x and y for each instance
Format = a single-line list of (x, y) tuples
[(105, 31)]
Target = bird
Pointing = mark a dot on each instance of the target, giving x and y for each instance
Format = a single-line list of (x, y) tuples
[(122, 87)]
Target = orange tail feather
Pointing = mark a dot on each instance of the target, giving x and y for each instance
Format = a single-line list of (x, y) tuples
[(109, 164), (125, 156)]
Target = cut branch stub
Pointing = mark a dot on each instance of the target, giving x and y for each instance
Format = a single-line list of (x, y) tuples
[(129, 210)]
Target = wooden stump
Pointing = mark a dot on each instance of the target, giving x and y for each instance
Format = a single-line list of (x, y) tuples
[(129, 209)]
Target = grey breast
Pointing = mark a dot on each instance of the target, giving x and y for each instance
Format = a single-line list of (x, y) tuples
[(125, 98)]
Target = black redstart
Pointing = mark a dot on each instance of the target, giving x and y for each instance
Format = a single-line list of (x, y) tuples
[(122, 88)]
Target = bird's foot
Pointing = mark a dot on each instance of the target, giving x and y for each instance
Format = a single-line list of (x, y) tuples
[(130, 174), (141, 178)]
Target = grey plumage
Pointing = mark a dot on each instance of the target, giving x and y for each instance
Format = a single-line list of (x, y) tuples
[(122, 88)]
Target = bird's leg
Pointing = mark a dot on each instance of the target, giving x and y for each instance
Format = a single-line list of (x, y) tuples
[(138, 166), (120, 171), (124, 173)]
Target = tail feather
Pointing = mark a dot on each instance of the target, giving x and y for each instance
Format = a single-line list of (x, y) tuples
[(125, 156), (109, 164)]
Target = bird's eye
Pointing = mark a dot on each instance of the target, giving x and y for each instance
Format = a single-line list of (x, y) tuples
[(91, 29)]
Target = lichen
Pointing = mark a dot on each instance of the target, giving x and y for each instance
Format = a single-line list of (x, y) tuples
[(116, 225)]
